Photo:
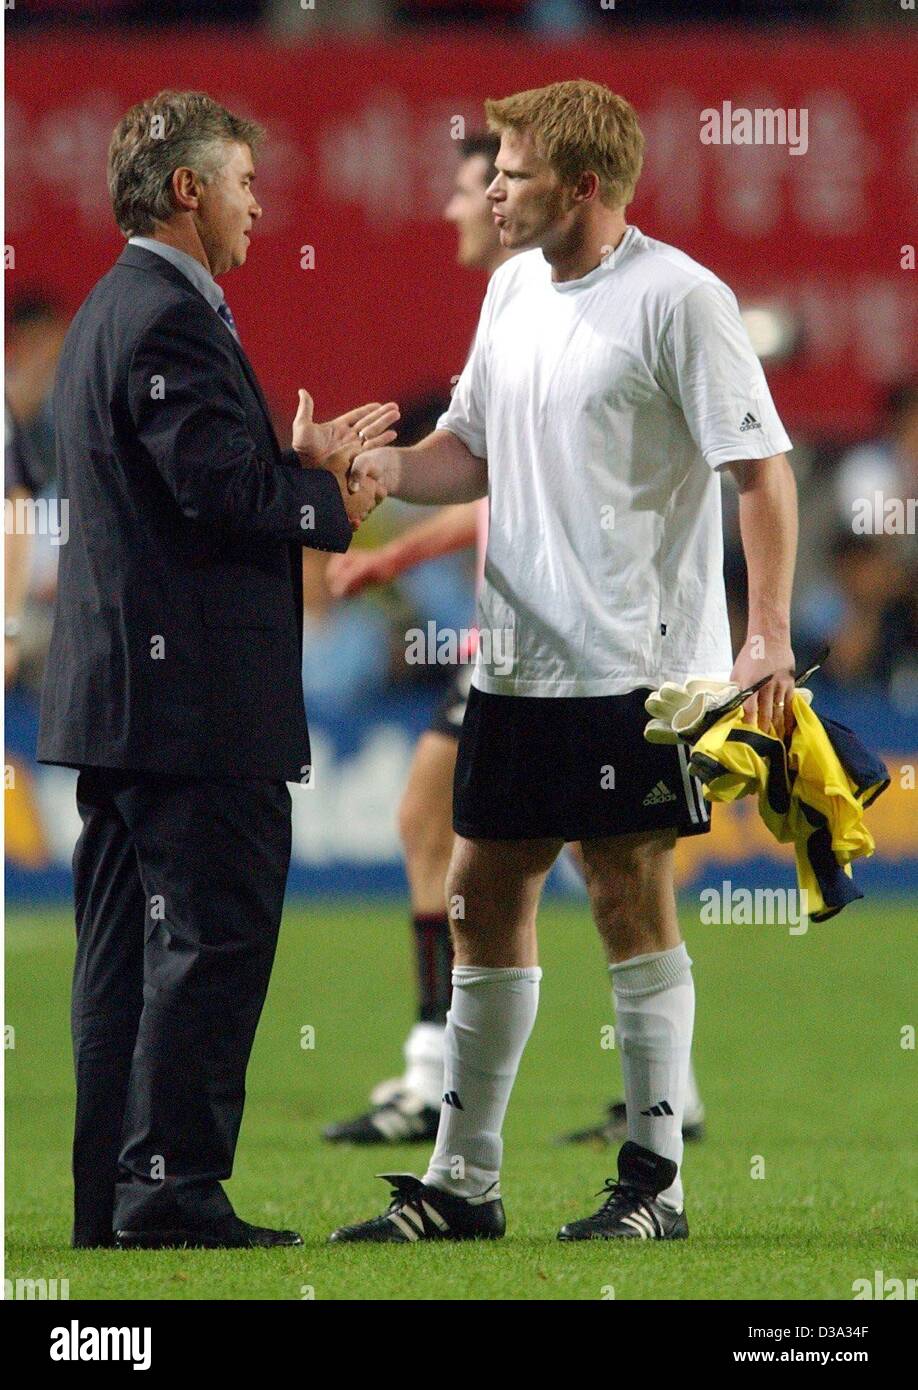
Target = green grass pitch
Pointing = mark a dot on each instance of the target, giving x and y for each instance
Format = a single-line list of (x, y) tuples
[(799, 1056)]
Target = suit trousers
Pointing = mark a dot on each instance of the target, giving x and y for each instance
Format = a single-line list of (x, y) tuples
[(179, 888)]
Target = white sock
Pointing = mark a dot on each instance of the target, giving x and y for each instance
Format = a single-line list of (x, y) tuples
[(491, 1016), (424, 1048), (654, 1014)]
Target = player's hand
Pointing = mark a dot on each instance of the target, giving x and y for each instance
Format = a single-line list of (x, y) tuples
[(350, 574), (362, 494), (366, 426), (771, 705), (381, 464)]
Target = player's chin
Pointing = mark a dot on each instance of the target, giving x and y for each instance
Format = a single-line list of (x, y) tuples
[(512, 239)]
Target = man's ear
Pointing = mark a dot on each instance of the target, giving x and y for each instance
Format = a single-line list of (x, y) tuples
[(186, 189), (586, 187)]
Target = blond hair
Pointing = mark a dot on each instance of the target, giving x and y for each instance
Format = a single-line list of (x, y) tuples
[(578, 126), (172, 130)]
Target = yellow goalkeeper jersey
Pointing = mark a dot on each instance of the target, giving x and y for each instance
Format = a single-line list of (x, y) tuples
[(812, 794)]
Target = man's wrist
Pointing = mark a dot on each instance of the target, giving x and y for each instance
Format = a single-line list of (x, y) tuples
[(391, 468), (773, 627)]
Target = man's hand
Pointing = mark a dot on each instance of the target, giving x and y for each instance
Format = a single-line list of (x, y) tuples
[(350, 574), (771, 705), (365, 425), (361, 494), (379, 463)]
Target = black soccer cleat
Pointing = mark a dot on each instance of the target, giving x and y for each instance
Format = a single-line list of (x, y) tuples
[(417, 1212), (402, 1120), (614, 1130), (631, 1210)]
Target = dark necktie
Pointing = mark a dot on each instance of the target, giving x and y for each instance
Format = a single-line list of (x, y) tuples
[(223, 309)]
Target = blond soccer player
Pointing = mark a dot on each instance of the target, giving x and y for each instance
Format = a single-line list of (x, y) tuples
[(610, 381)]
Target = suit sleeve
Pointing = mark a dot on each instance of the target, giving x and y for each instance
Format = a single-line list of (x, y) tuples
[(191, 420)]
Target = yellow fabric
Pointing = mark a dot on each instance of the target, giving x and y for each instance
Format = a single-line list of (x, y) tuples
[(26, 846), (808, 778)]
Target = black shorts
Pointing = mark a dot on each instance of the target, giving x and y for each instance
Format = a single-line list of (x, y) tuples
[(571, 769), (450, 712)]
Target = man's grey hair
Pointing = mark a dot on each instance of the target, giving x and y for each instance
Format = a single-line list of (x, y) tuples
[(173, 130)]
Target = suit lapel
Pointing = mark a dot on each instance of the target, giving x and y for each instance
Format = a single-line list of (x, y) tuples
[(252, 379), (148, 260)]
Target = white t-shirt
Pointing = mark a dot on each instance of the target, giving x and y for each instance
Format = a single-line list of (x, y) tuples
[(604, 407)]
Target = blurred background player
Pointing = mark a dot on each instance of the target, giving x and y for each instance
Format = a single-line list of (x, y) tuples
[(35, 328), (407, 1108), (20, 486)]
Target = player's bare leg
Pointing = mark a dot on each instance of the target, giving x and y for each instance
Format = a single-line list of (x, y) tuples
[(425, 821), (426, 829), (406, 1108), (494, 887), (630, 883)]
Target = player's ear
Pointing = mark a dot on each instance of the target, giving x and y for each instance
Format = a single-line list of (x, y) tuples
[(586, 187)]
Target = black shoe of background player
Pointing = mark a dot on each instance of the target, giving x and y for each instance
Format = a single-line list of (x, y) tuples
[(631, 1210), (418, 1212), (614, 1130), (232, 1234), (404, 1119)]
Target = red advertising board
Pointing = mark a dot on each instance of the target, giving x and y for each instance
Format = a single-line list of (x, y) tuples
[(351, 287)]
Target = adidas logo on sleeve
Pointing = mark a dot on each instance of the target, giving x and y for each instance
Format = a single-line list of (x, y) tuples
[(749, 422)]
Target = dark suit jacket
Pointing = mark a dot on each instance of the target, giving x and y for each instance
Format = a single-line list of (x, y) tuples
[(177, 641)]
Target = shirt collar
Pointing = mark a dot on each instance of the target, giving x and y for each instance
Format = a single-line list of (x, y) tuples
[(193, 270), (608, 262)]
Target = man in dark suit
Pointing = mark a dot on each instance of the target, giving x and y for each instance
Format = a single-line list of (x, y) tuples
[(173, 679)]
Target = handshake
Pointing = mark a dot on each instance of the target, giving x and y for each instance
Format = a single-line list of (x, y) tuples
[(350, 447)]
